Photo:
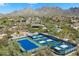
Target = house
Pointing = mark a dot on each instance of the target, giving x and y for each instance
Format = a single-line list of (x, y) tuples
[(75, 25), (19, 34), (2, 35), (36, 22)]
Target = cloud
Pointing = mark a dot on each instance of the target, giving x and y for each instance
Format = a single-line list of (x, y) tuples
[(32, 4), (2, 4)]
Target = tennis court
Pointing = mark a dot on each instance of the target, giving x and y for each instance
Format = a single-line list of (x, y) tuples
[(39, 40), (61, 47), (44, 40), (27, 45)]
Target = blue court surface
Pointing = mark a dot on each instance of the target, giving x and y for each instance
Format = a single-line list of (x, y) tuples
[(61, 47), (27, 45)]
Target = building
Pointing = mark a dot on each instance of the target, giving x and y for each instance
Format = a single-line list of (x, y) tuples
[(2, 35), (75, 26), (36, 22), (19, 34)]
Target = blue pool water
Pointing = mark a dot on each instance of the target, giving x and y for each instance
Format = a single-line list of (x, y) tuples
[(27, 45)]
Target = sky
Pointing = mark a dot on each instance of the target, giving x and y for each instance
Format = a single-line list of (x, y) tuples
[(10, 7)]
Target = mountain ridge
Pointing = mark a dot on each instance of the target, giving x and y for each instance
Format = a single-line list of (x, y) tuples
[(44, 11)]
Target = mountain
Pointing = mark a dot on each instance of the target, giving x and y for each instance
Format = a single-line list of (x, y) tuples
[(51, 10), (25, 12), (1, 15), (45, 11), (72, 11)]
